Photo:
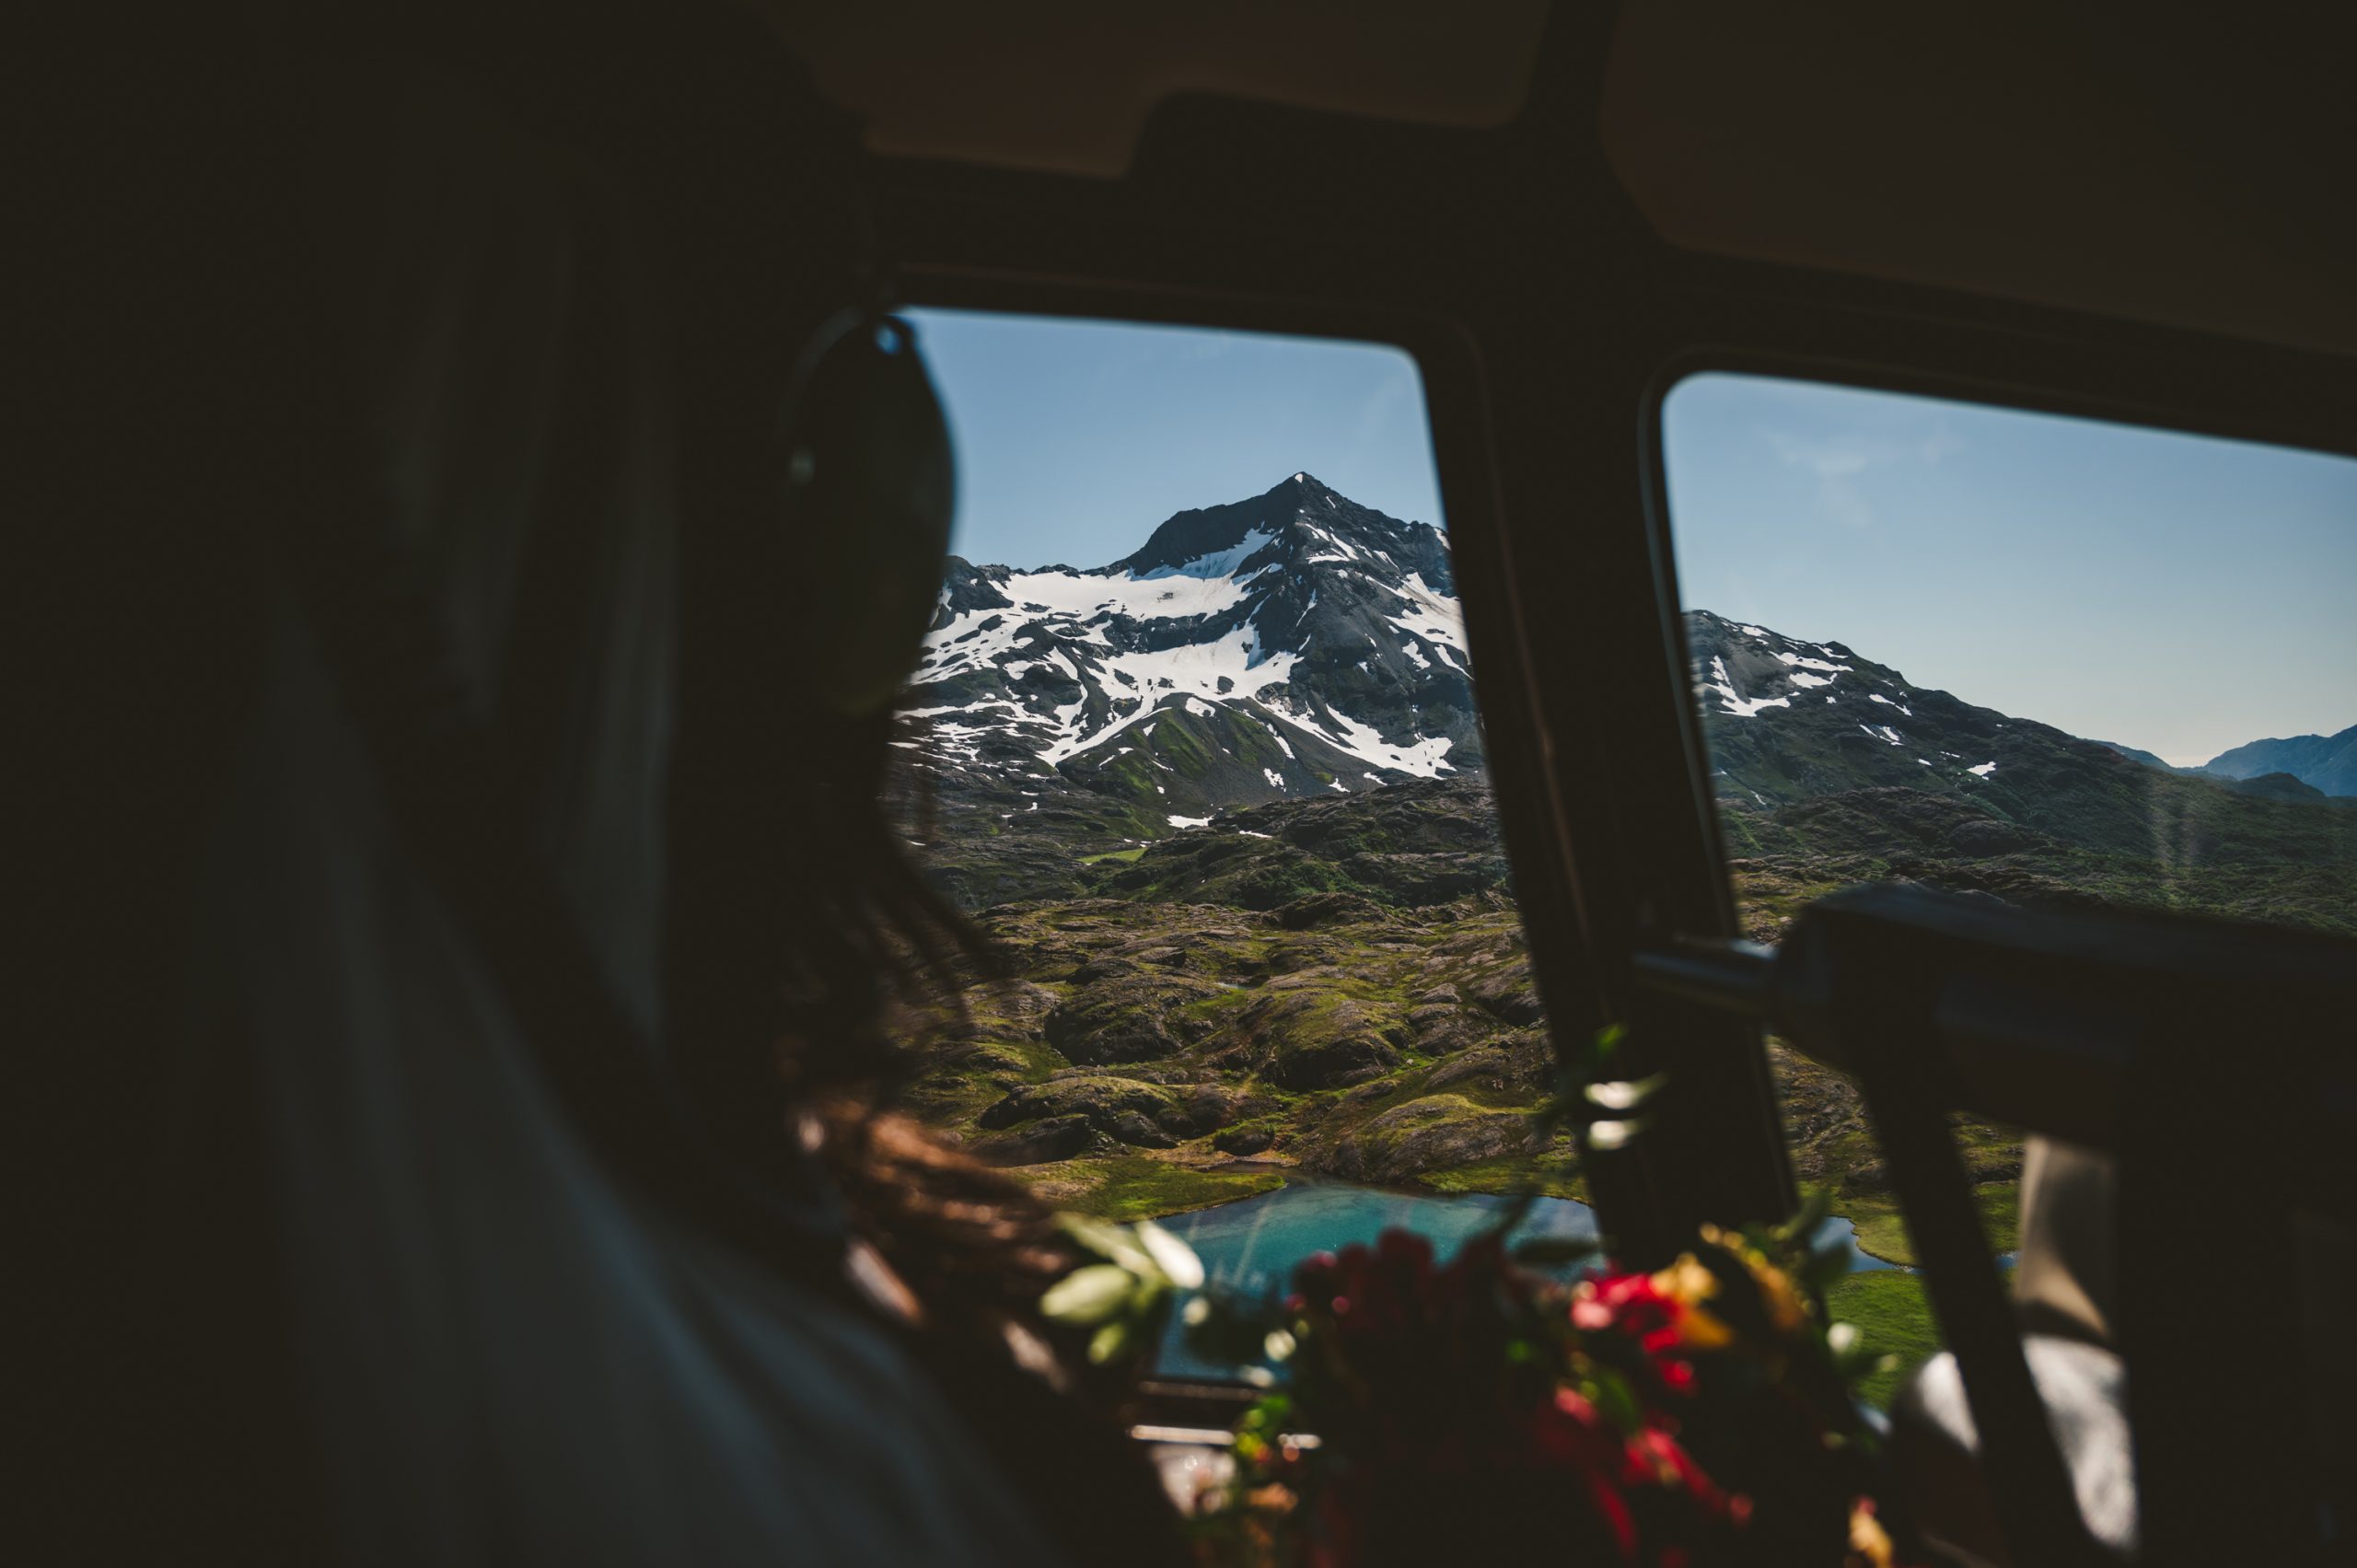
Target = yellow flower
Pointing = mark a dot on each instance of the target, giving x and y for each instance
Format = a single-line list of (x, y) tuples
[(1869, 1542), (1788, 1310), (1785, 1307), (1688, 1284)]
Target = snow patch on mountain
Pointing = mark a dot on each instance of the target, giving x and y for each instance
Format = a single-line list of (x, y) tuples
[(1424, 758), (1735, 702), (1433, 616), (1803, 662), (1217, 563)]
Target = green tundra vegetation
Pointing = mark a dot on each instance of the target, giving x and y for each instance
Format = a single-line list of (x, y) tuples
[(1340, 987)]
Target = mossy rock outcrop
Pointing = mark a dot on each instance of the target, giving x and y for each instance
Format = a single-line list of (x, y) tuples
[(1244, 1141), (1331, 1064), (1319, 1041), (1508, 990), (1208, 1108), (1013, 1009), (1434, 1133), (1519, 1067), (1049, 1138), (1098, 1096), (1327, 909), (1124, 1012), (1440, 1028)]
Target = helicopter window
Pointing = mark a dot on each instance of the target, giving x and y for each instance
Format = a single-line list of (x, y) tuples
[(2041, 659), (1193, 742)]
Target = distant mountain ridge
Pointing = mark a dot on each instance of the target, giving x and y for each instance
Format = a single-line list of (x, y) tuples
[(2149, 759), (1794, 725), (2328, 762), (2324, 765)]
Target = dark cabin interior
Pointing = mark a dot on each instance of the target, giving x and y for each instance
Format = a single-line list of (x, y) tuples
[(464, 1014)]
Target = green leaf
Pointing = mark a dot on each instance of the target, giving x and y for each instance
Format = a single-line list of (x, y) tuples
[(1616, 1401), (1109, 1341), (1106, 1239), (1624, 1094), (1614, 1134), (1173, 1257), (1268, 1415), (1089, 1295)]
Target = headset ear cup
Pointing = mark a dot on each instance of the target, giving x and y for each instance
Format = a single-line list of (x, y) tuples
[(870, 490)]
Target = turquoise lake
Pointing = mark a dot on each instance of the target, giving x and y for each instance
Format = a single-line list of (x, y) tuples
[(1251, 1246)]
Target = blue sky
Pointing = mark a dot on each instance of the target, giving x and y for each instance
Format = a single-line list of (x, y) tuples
[(1075, 438), (2175, 593), (2169, 592)]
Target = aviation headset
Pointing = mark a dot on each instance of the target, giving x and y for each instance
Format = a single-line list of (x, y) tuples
[(869, 490)]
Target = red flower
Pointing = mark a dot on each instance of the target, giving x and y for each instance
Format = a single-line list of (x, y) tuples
[(1636, 1305)]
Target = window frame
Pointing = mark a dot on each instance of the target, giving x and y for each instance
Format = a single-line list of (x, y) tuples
[(1871, 376), (1519, 769), (1768, 321)]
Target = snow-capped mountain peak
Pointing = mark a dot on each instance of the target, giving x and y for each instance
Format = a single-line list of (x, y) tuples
[(1290, 643)]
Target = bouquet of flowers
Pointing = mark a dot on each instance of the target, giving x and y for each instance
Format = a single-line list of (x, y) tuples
[(1463, 1412)]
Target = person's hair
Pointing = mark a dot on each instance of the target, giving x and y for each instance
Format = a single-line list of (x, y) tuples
[(802, 940)]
